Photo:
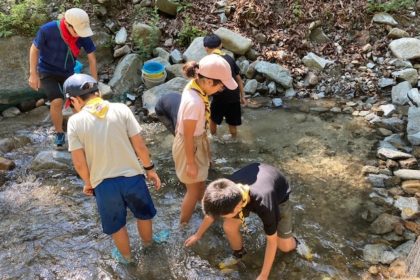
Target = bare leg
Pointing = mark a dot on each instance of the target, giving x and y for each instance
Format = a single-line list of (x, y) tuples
[(286, 244), (56, 114), (122, 242), (233, 131), (232, 228), (144, 228), (194, 194), (213, 127)]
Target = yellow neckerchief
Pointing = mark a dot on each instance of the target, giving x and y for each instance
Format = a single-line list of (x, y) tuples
[(97, 107), (193, 85), (218, 51), (245, 200)]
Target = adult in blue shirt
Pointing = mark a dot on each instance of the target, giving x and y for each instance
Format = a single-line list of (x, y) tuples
[(52, 58)]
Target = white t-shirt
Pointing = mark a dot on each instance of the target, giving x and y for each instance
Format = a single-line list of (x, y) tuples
[(106, 142), (191, 108)]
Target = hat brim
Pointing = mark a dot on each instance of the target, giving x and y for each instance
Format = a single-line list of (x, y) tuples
[(84, 32), (230, 83)]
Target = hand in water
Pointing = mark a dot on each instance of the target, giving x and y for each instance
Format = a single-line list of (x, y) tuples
[(191, 240)]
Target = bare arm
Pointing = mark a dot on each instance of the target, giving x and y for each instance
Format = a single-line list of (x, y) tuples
[(205, 224), (33, 80), (270, 254), (143, 154), (241, 89), (189, 128), (92, 65), (80, 164)]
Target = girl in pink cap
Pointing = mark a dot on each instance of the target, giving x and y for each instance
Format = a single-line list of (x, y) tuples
[(190, 149)]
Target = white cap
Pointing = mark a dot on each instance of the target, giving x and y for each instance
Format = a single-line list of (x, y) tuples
[(79, 19)]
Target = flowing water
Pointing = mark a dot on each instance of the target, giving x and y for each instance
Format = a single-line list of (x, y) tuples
[(50, 230)]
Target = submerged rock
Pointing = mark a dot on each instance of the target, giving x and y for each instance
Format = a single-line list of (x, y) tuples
[(378, 253)]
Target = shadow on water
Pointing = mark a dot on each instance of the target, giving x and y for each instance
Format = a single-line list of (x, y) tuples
[(50, 230)]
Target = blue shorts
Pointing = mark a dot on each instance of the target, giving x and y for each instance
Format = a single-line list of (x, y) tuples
[(114, 195)]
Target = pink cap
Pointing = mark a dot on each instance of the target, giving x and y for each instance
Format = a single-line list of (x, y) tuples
[(214, 66)]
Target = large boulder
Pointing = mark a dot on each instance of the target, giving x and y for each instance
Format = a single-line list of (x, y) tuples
[(195, 51), (150, 97), (145, 34), (275, 72), (103, 53), (410, 75), (235, 42), (126, 75), (399, 93), (56, 160), (406, 48)]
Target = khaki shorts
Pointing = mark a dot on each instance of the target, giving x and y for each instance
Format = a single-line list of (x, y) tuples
[(201, 150), (285, 225)]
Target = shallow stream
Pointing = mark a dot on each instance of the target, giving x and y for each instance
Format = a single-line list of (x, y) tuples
[(50, 230)]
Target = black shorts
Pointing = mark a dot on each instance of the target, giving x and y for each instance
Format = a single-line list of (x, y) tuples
[(230, 111), (52, 86)]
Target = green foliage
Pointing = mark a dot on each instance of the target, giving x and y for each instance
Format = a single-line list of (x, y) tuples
[(297, 9), (24, 18), (183, 6), (188, 33), (389, 6), (144, 46)]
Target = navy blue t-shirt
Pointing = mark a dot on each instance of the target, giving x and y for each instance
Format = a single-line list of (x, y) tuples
[(168, 106), (268, 188), (55, 56), (227, 95)]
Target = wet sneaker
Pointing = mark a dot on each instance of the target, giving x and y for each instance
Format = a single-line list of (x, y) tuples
[(60, 139), (116, 255)]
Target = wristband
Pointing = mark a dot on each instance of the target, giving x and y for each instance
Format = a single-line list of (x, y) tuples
[(147, 168)]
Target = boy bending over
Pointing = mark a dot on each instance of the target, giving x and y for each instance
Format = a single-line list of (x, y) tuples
[(258, 188)]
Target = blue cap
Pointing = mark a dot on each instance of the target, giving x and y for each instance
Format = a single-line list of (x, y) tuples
[(212, 41), (79, 84)]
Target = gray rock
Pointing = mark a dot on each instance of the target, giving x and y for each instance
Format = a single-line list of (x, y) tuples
[(126, 75), (404, 249), (413, 125), (167, 6), (398, 63), (11, 112), (406, 48), (414, 97), (275, 72), (385, 153), (386, 82), (385, 19), (396, 141), (314, 62), (388, 109), (409, 206), (336, 110), (243, 65), (174, 70), (104, 50), (121, 36), (380, 200), (410, 75), (195, 51), (410, 163), (47, 160), (251, 86), (122, 51), (378, 253), (272, 88), (162, 53), (399, 93), (377, 180), (223, 18), (408, 174), (277, 102), (290, 93), (394, 124), (233, 41), (252, 54), (384, 223), (176, 56), (151, 96), (396, 33), (145, 33), (311, 79), (317, 35), (105, 90)]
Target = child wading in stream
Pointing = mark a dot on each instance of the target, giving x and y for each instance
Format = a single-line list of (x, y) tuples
[(258, 188), (190, 149), (108, 153)]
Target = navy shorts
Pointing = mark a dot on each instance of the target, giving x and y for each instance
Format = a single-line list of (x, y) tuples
[(52, 86), (230, 111), (114, 195)]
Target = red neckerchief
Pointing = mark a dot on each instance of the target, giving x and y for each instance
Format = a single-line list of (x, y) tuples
[(69, 39)]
